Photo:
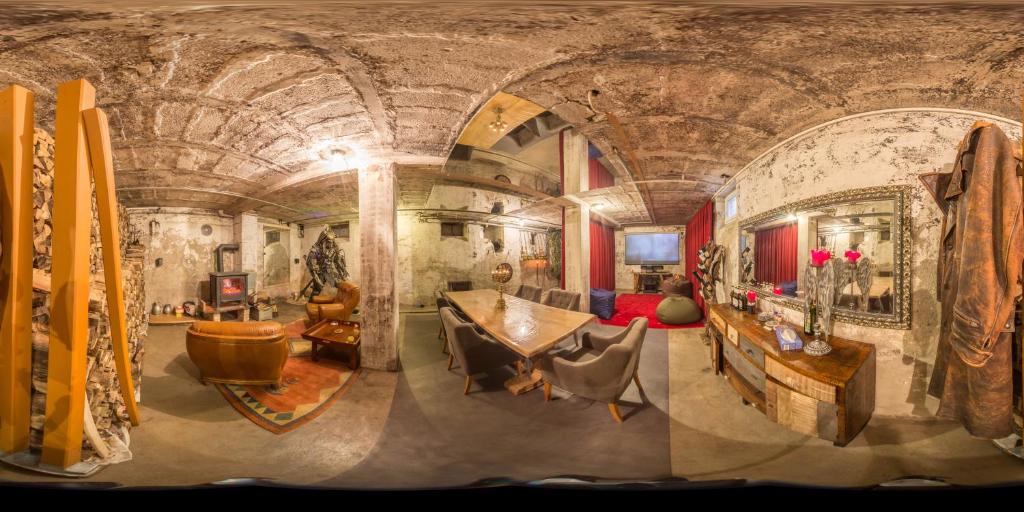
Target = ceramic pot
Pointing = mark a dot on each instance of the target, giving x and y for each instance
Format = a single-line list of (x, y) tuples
[(168, 309), (156, 309)]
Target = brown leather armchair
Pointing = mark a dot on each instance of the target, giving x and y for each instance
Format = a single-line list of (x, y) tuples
[(237, 352), (337, 307)]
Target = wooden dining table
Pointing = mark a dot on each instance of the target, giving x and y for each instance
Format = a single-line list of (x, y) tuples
[(526, 327)]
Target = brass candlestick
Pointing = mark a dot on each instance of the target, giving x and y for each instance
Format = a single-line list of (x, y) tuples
[(501, 275)]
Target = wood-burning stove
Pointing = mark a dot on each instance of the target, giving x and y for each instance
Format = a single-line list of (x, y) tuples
[(228, 288)]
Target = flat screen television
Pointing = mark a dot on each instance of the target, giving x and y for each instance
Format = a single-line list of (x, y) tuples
[(652, 248)]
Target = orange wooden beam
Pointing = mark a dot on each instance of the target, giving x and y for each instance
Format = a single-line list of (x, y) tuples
[(97, 131), (17, 123), (69, 300)]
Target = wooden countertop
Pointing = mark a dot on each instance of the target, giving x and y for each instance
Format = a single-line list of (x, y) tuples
[(838, 366), (524, 326)]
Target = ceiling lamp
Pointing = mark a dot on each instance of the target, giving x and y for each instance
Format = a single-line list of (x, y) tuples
[(498, 125)]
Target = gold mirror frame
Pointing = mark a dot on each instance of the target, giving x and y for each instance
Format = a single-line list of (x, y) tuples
[(902, 285)]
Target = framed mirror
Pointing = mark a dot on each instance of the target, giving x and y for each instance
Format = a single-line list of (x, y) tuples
[(867, 232)]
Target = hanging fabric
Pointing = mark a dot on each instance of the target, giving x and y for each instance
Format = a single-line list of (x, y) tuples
[(775, 254)]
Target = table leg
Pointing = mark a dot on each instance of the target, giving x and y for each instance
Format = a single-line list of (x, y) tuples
[(312, 350), (526, 379)]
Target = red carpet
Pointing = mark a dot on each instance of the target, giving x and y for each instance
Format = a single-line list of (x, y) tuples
[(631, 305)]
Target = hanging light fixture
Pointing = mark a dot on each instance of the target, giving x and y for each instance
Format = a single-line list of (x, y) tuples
[(498, 125)]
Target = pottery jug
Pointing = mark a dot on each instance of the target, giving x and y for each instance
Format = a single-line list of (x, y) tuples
[(155, 310)]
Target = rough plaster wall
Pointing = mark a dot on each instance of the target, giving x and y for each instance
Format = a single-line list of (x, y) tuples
[(188, 255), (310, 236), (879, 148), (425, 259), (624, 273)]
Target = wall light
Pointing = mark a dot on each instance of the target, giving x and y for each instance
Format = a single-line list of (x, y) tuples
[(791, 216)]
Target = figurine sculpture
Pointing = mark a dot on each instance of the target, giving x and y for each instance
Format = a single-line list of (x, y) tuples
[(325, 262)]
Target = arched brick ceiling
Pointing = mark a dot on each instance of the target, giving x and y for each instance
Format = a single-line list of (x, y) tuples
[(236, 107)]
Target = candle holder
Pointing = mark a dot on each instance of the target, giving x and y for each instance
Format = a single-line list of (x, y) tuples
[(819, 346)]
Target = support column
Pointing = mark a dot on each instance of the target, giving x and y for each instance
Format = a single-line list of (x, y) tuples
[(17, 120), (250, 246), (576, 179), (378, 264)]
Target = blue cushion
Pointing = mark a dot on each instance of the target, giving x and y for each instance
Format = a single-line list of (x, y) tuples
[(788, 288), (602, 303)]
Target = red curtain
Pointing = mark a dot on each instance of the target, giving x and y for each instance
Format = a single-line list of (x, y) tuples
[(775, 254), (602, 256), (599, 176), (698, 232)]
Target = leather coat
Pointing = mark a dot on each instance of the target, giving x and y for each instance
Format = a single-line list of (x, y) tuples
[(981, 254)]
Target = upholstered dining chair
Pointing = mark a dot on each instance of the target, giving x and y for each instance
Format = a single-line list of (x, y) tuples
[(530, 293), (460, 286), (601, 369), (562, 299), (475, 352)]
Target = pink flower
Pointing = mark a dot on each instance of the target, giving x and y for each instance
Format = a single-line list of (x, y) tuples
[(852, 256), (819, 257)]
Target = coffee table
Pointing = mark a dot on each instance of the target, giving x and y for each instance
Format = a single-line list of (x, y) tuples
[(346, 338)]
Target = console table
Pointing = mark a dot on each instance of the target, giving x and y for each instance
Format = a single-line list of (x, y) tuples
[(830, 396), (643, 280)]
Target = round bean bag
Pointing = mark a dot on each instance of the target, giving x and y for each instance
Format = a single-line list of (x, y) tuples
[(677, 310)]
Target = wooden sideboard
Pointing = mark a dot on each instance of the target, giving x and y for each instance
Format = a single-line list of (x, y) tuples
[(830, 396)]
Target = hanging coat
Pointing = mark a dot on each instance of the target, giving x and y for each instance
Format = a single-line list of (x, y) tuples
[(980, 257)]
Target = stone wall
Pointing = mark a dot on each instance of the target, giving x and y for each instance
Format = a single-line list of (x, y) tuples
[(187, 253), (102, 388), (872, 149), (624, 273)]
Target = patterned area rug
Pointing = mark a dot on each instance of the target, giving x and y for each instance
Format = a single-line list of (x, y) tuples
[(309, 388)]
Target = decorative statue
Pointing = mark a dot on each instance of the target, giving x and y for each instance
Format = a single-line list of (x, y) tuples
[(709, 271), (325, 262)]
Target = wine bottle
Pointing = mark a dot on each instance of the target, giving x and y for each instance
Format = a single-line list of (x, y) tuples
[(810, 318)]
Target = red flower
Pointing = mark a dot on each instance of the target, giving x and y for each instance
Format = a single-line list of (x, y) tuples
[(852, 256), (751, 296), (777, 290), (819, 257)]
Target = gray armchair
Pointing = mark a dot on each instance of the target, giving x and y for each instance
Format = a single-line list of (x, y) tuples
[(562, 299), (530, 293), (601, 369), (476, 353)]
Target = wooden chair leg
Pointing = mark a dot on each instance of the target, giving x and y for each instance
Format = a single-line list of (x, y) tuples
[(636, 379), (614, 409), (469, 382), (451, 361), (547, 391), (440, 331)]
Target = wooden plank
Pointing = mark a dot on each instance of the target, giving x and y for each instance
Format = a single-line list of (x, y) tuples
[(524, 326), (17, 123), (69, 310), (97, 131), (515, 111)]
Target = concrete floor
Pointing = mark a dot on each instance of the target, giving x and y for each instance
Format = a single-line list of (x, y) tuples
[(415, 429)]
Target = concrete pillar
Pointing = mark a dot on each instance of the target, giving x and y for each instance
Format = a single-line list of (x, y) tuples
[(378, 221), (575, 164), (250, 246)]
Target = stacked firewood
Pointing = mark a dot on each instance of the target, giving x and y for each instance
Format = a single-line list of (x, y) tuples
[(42, 198), (102, 388)]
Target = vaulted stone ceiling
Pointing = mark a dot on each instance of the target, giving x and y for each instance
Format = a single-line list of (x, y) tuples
[(267, 106)]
